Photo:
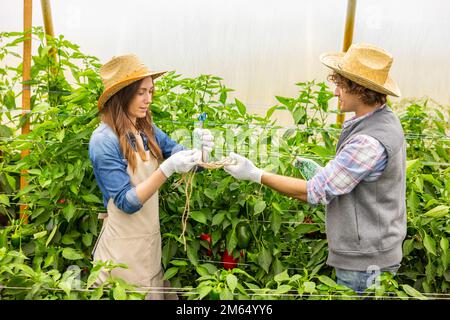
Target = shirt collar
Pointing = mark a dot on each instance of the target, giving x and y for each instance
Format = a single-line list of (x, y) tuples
[(358, 119)]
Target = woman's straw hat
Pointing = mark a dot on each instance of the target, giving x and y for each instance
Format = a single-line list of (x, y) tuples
[(120, 72), (365, 64)]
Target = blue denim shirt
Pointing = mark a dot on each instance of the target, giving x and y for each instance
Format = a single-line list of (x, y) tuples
[(110, 166)]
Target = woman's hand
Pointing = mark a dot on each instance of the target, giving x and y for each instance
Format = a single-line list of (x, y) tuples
[(180, 162), (244, 169)]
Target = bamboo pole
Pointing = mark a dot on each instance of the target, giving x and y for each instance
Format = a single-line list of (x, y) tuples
[(26, 91), (348, 38), (48, 24)]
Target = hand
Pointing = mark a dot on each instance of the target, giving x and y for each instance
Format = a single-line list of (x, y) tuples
[(203, 138), (180, 162), (244, 169), (307, 167)]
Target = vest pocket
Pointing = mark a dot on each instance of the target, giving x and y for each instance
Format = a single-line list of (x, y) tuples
[(342, 231)]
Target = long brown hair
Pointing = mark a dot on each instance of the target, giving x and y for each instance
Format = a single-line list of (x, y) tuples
[(367, 96), (115, 114)]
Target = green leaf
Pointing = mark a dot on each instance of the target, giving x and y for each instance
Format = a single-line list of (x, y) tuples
[(226, 294), (210, 193), (265, 259), (212, 269), (218, 218), (283, 276), (411, 165), (60, 135), (91, 198), (203, 291), (260, 205), (93, 276), (429, 244), (284, 288), (41, 234), (11, 181), (408, 246), (275, 222), (444, 245), (232, 240), (87, 239), (119, 293), (231, 282), (242, 109), (52, 234), (69, 211), (199, 216), (179, 263), (4, 200), (192, 253), (171, 272), (71, 254), (328, 281), (413, 292), (437, 212), (310, 287)]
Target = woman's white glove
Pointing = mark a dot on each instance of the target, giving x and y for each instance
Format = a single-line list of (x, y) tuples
[(244, 169), (180, 162), (203, 138)]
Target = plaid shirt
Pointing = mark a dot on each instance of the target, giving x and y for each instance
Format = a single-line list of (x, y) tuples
[(363, 158)]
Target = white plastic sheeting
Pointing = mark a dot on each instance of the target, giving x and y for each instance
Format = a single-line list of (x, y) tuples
[(261, 48)]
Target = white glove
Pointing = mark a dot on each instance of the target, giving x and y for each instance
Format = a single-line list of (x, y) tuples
[(244, 169), (203, 138), (180, 162)]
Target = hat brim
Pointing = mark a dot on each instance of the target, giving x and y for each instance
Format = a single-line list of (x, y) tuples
[(108, 93), (333, 60)]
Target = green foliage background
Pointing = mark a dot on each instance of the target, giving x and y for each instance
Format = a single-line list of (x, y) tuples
[(50, 257)]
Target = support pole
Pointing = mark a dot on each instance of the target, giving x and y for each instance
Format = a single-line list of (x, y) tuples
[(348, 39), (26, 90), (48, 23)]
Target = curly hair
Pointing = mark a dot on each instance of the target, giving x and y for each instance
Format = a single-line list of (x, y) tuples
[(367, 96)]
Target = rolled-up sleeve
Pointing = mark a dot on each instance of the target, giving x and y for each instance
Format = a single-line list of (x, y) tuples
[(360, 157), (110, 170)]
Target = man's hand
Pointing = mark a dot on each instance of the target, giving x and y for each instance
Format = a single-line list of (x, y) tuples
[(244, 169)]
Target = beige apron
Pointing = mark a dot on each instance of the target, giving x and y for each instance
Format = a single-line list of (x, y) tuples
[(135, 239)]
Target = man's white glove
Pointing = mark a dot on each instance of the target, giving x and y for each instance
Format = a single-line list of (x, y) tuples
[(203, 138), (180, 162), (244, 169)]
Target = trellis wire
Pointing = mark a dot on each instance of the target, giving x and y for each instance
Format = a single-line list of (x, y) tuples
[(184, 292)]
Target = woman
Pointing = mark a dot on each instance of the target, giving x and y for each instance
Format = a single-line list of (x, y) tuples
[(127, 152)]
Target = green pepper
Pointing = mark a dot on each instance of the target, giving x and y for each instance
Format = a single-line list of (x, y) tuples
[(243, 235)]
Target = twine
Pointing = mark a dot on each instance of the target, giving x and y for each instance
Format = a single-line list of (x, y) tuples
[(188, 179)]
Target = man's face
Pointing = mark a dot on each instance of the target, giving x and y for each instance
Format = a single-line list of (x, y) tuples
[(138, 106), (348, 101)]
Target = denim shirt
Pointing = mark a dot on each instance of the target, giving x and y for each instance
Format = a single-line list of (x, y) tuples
[(110, 166)]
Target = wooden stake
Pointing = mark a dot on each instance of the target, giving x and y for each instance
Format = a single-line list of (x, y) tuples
[(26, 91), (348, 39)]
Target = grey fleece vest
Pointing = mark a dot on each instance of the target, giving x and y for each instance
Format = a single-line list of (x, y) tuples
[(367, 226)]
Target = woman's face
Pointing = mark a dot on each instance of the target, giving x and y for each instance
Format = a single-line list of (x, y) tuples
[(138, 106)]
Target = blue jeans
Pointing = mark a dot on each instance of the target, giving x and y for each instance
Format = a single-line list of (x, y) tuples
[(361, 280)]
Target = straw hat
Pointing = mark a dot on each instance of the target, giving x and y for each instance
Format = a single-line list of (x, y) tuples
[(365, 64), (121, 71)]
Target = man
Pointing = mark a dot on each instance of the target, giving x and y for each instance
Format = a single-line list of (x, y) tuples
[(363, 187)]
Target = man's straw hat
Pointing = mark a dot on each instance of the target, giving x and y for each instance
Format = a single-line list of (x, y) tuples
[(365, 64), (120, 72)]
